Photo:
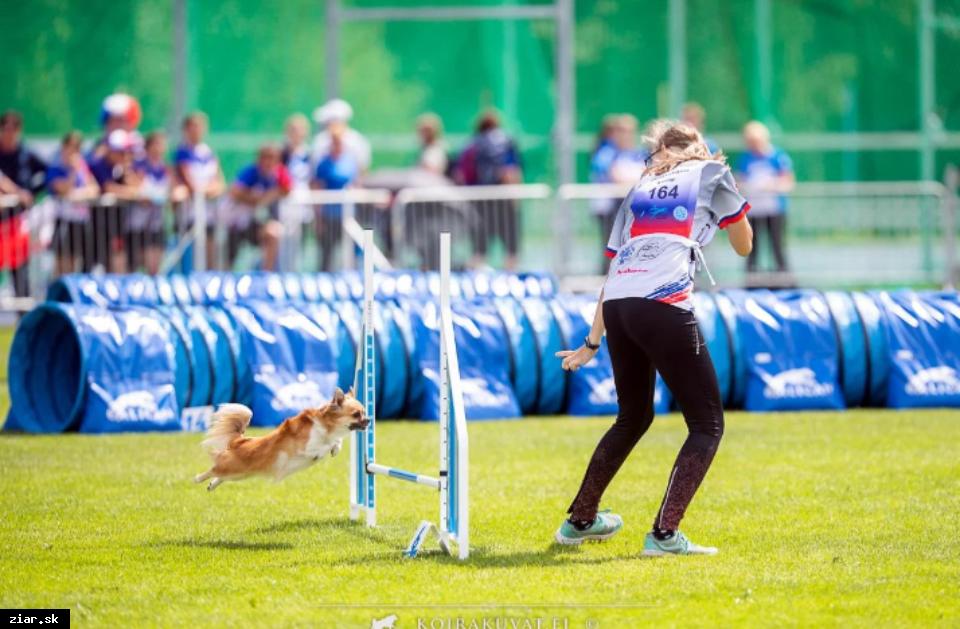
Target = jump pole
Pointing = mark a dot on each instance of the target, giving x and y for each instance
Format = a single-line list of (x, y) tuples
[(452, 481)]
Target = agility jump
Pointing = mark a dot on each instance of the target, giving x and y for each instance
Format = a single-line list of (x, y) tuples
[(452, 481)]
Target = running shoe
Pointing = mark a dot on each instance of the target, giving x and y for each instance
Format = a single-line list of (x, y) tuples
[(676, 544), (605, 526)]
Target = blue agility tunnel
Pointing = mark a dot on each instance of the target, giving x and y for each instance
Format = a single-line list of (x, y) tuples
[(261, 286), (552, 380), (84, 289), (719, 341), (183, 350), (212, 357), (130, 352), (291, 360), (484, 361), (134, 289), (853, 360), (875, 348), (393, 339), (524, 356), (591, 389), (344, 344), (788, 342), (924, 348), (77, 367)]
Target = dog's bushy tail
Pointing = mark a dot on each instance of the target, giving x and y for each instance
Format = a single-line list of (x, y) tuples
[(229, 422)]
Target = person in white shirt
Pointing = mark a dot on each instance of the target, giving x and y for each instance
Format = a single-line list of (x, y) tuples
[(433, 152), (334, 118), (296, 153), (684, 197)]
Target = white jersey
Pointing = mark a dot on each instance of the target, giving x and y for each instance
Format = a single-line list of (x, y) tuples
[(661, 226)]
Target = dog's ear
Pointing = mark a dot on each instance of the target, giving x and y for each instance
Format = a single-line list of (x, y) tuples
[(337, 399), (351, 393)]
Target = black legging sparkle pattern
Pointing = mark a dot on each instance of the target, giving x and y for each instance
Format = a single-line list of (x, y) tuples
[(644, 335)]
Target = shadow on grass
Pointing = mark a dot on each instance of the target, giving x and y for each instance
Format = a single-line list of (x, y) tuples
[(223, 544), (305, 524), (343, 524), (335, 524), (482, 558)]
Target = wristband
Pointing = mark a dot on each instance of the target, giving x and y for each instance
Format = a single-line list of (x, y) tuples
[(589, 345)]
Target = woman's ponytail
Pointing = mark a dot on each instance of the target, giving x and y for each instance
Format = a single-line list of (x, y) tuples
[(674, 143)]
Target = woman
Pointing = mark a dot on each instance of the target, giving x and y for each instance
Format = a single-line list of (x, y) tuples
[(615, 160), (145, 230), (433, 152), (765, 172), (73, 188), (685, 195), (338, 169)]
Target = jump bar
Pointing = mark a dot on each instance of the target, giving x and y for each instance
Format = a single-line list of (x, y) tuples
[(420, 479)]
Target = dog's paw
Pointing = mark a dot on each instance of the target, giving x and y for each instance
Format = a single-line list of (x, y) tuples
[(335, 450)]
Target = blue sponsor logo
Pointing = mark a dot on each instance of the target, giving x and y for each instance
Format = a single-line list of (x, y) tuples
[(680, 213), (626, 253)]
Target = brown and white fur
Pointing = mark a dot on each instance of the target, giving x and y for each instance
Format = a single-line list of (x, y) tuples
[(296, 444)]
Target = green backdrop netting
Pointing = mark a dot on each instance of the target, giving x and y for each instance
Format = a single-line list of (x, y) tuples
[(838, 66)]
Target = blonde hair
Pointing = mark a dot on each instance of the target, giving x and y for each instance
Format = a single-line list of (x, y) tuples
[(757, 129), (299, 120), (675, 143)]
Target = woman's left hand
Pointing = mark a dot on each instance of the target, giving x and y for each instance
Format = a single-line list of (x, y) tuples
[(574, 359)]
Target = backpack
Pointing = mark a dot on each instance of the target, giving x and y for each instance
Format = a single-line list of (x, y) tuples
[(491, 153)]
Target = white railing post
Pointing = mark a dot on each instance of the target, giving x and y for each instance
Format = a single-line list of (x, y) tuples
[(347, 216), (291, 218), (199, 230), (398, 228), (949, 204)]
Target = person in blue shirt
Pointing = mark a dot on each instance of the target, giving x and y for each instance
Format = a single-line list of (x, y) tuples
[(145, 220), (73, 189), (765, 176), (257, 186), (338, 169), (120, 184), (196, 167), (617, 160)]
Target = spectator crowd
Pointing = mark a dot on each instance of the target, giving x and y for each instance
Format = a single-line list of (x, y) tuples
[(118, 202)]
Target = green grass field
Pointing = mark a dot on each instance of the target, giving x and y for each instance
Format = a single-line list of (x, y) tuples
[(822, 519), (6, 338)]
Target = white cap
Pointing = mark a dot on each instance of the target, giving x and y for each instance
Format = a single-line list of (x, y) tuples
[(120, 140), (334, 110)]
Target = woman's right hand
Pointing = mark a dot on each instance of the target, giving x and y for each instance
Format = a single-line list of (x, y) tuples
[(574, 359)]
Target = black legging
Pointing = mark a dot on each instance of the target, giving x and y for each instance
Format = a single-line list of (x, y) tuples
[(774, 226), (644, 335)]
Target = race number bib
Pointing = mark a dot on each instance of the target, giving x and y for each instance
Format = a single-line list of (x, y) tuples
[(665, 204)]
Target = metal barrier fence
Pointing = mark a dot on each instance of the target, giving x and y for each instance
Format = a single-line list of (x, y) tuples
[(839, 234)]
